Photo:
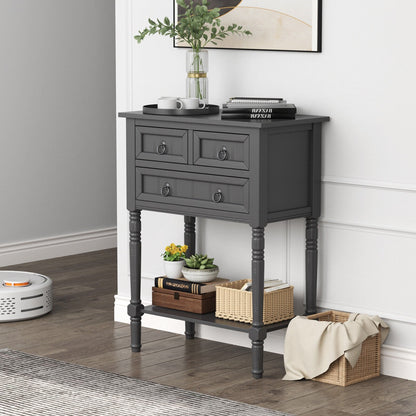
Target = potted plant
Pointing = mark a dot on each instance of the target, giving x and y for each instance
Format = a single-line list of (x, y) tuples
[(200, 268), (197, 26), (173, 260)]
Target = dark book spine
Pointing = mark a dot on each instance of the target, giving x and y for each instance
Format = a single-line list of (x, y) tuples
[(251, 110), (178, 285), (257, 116)]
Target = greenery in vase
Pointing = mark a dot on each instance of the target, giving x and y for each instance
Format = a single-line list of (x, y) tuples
[(196, 27), (200, 261), (174, 252)]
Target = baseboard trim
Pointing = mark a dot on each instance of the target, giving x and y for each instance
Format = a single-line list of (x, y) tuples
[(395, 361), (398, 362), (64, 245)]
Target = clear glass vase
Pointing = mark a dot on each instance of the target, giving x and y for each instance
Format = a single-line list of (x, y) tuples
[(197, 81)]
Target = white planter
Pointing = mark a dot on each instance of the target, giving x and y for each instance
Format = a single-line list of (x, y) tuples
[(173, 269), (200, 276)]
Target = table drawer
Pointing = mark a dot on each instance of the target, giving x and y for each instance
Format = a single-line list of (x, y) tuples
[(225, 150), (193, 190), (159, 144)]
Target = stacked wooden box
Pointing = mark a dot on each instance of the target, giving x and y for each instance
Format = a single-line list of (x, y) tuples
[(180, 294)]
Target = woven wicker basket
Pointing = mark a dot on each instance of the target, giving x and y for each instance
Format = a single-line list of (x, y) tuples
[(340, 371), (236, 305)]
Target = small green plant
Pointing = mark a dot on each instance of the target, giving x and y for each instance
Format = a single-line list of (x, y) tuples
[(174, 252), (200, 261)]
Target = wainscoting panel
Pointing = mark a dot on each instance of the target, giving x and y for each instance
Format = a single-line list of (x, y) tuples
[(370, 204)]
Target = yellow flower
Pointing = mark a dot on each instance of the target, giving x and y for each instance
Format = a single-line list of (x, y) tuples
[(184, 248)]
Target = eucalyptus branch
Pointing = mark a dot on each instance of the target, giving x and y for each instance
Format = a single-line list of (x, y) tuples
[(197, 26)]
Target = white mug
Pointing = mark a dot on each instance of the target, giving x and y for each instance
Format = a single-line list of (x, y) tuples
[(192, 103), (169, 103)]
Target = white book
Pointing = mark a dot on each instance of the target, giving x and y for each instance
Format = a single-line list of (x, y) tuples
[(283, 104), (256, 100), (267, 284), (273, 288), (274, 282), (246, 286)]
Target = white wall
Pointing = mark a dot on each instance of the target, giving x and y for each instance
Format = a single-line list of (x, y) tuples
[(364, 80), (57, 128)]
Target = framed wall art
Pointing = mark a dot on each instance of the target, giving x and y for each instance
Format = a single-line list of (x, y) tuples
[(276, 25)]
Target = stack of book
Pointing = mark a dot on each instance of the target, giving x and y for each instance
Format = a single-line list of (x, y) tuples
[(181, 294), (255, 108)]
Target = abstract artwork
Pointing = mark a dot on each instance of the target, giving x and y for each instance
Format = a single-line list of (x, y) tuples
[(283, 25)]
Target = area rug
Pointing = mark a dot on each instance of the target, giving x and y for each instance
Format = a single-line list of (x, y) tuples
[(34, 386)]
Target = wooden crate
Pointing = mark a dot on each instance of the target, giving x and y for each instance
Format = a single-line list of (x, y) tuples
[(340, 371), (236, 305), (183, 301)]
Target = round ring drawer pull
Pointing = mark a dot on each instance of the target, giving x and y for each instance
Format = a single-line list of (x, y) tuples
[(218, 196), (165, 190), (162, 148), (222, 154)]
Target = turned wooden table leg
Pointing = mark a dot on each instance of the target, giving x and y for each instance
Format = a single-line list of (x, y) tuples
[(311, 257), (189, 238), (257, 332), (135, 309)]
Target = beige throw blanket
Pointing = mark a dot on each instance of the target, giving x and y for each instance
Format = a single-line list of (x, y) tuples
[(311, 346)]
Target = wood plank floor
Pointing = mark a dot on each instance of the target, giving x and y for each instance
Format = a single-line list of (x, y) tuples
[(81, 330)]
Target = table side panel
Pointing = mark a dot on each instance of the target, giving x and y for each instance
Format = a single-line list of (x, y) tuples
[(288, 170)]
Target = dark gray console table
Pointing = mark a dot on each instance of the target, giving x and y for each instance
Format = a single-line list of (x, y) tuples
[(255, 172)]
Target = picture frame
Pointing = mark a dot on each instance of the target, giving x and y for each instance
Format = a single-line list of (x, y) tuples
[(276, 25)]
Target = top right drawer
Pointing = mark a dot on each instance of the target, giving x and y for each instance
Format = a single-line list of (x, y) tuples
[(222, 150)]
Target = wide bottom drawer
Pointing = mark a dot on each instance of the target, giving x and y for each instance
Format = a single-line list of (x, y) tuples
[(192, 189)]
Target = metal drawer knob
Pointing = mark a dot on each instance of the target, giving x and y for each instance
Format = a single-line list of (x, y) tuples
[(165, 191), (222, 154), (162, 148), (217, 196)]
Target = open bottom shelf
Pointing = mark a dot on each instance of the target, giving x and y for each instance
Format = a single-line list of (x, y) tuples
[(209, 319)]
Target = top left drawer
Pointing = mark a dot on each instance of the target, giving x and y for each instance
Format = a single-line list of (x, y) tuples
[(163, 145)]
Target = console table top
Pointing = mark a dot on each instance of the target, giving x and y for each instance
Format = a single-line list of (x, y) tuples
[(216, 118)]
